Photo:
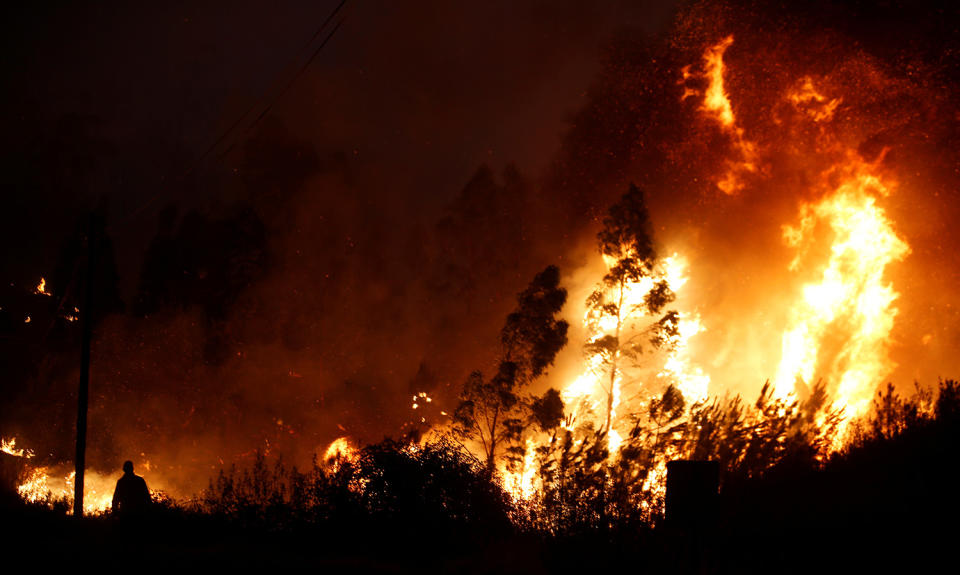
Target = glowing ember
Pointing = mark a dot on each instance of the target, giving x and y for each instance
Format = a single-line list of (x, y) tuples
[(421, 397)]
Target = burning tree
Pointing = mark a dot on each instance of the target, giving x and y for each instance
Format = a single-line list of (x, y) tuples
[(627, 240), (492, 411), (587, 468), (625, 313)]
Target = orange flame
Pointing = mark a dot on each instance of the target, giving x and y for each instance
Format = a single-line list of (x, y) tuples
[(851, 295), (338, 451), (10, 447), (716, 105), (42, 288), (45, 485), (715, 101)]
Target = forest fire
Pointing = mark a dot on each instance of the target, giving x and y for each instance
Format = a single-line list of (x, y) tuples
[(836, 333), (641, 322), (612, 317), (446, 293)]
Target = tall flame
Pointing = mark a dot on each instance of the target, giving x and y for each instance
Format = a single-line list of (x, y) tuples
[(837, 328), (851, 295), (679, 368)]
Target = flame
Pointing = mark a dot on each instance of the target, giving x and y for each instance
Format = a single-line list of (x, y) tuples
[(848, 300), (691, 380), (423, 396), (837, 327), (338, 451), (54, 484), (715, 100), (810, 101), (49, 485), (523, 484), (716, 105), (595, 395), (42, 288), (10, 447), (851, 295)]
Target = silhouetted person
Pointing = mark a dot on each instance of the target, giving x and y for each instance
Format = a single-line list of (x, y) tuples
[(131, 497)]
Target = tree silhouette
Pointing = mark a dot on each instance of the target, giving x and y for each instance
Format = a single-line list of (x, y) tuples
[(490, 410)]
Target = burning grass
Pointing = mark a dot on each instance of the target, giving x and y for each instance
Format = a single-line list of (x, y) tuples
[(581, 486)]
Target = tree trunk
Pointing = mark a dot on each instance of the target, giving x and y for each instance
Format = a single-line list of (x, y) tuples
[(615, 355)]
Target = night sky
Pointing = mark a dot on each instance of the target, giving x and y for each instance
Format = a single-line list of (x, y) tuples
[(116, 102)]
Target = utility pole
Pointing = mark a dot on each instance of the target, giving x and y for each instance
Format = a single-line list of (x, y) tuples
[(86, 319)]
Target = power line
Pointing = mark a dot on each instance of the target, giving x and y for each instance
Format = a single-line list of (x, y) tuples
[(270, 102), (286, 88)]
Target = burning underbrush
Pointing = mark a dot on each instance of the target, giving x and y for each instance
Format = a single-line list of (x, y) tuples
[(431, 505), (578, 486), (51, 484)]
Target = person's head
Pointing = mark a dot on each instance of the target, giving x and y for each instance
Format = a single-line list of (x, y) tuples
[(128, 467)]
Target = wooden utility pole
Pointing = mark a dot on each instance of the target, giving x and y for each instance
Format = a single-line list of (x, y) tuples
[(86, 319)]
